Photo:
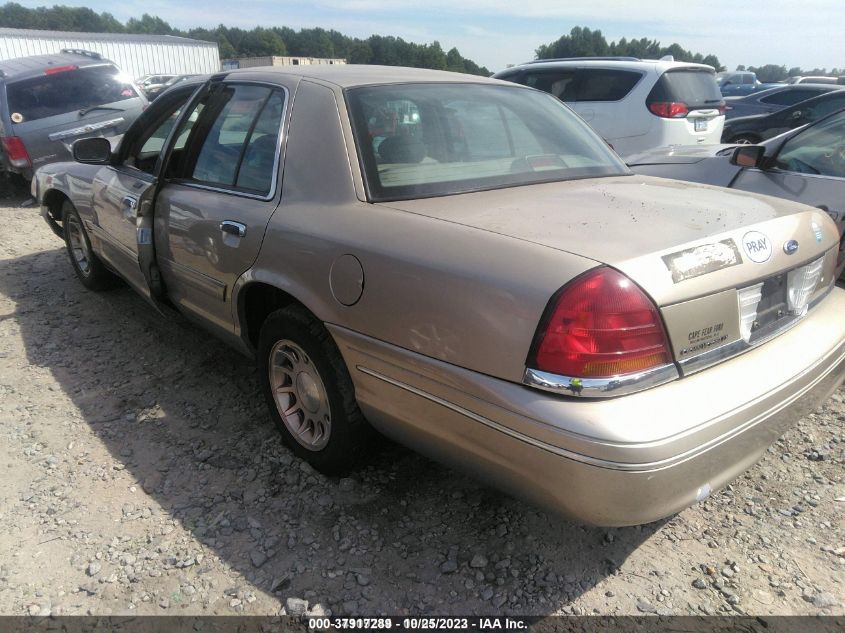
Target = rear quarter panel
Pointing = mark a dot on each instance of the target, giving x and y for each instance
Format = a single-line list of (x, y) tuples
[(451, 292)]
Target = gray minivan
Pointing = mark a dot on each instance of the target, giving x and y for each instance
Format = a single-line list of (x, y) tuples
[(49, 101)]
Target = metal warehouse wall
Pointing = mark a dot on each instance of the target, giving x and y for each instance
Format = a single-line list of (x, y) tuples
[(135, 55)]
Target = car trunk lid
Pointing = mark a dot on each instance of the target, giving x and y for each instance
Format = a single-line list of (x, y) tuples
[(694, 249)]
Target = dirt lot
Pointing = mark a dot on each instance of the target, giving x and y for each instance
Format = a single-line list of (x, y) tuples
[(141, 474)]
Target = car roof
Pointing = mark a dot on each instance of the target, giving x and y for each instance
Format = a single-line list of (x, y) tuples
[(352, 75), (660, 65), (25, 67)]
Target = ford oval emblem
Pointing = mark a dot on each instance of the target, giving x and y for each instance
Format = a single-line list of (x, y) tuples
[(790, 247)]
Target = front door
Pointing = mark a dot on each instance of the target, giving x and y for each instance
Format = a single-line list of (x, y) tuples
[(809, 168), (122, 192)]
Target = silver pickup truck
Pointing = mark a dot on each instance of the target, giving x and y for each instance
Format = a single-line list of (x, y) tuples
[(463, 265)]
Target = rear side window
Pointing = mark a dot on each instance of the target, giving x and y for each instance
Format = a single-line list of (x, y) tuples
[(66, 91), (605, 84), (235, 141), (695, 88), (558, 83), (789, 97)]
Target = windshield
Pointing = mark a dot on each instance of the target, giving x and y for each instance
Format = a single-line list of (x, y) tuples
[(420, 140), (66, 91)]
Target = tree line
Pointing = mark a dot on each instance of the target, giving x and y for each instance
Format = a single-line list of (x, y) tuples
[(584, 42), (376, 49), (771, 73), (257, 42)]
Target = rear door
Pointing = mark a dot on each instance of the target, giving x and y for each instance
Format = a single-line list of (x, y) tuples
[(601, 97), (212, 212), (51, 111)]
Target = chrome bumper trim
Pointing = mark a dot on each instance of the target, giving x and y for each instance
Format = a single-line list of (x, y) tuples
[(600, 387)]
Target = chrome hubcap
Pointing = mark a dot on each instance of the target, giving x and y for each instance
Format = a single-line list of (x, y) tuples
[(79, 247), (299, 394)]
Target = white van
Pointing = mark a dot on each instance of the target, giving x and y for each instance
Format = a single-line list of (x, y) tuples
[(634, 104)]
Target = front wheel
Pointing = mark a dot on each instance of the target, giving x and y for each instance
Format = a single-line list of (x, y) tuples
[(744, 139), (91, 271), (309, 392)]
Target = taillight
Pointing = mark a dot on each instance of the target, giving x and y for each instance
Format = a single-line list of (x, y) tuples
[(669, 109), (723, 107), (60, 69), (15, 151), (600, 325)]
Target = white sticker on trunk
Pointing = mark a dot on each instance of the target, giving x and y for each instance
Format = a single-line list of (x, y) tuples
[(757, 246)]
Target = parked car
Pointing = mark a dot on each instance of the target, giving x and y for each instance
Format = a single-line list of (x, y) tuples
[(150, 82), (812, 79), (464, 265), (634, 104), (49, 101), (757, 128), (740, 83), (773, 99), (155, 91), (806, 165)]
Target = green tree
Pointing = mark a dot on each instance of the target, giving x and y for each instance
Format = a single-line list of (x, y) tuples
[(769, 73), (149, 25)]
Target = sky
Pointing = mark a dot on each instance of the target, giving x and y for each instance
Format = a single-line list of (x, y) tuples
[(496, 33)]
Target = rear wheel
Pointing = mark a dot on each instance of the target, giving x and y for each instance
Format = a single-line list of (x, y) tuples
[(309, 392), (88, 267)]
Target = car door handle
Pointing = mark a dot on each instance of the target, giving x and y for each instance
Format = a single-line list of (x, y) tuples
[(233, 228), (129, 207)]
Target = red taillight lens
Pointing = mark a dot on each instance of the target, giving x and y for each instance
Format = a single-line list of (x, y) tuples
[(60, 69), (601, 325), (15, 151), (723, 107), (669, 109)]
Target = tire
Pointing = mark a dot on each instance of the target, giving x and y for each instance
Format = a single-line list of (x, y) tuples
[(744, 139), (310, 394), (88, 267)]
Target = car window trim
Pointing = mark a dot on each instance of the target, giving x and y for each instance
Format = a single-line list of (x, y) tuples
[(278, 160)]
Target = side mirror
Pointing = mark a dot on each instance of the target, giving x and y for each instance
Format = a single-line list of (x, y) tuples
[(748, 156), (92, 151)]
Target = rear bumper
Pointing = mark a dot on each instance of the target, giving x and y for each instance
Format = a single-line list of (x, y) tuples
[(623, 461)]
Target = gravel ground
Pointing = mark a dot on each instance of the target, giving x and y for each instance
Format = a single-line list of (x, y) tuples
[(141, 474)]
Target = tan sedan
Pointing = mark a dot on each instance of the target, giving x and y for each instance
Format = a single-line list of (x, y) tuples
[(463, 265)]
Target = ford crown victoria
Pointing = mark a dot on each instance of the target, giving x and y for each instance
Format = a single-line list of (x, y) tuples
[(463, 265)]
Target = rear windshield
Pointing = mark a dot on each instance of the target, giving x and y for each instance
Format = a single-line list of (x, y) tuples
[(421, 140), (696, 88), (66, 91)]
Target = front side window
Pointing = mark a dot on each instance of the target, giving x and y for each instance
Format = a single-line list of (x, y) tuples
[(67, 89), (823, 107), (819, 150), (420, 140)]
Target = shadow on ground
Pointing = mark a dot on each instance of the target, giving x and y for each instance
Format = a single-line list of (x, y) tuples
[(184, 415)]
